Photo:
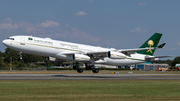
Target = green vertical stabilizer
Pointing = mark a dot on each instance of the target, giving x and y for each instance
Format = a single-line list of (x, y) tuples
[(151, 42)]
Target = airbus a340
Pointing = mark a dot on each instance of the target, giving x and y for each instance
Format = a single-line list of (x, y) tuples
[(80, 53)]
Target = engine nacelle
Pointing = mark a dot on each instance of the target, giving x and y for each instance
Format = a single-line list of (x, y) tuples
[(51, 59), (81, 57), (116, 55), (69, 57), (73, 57)]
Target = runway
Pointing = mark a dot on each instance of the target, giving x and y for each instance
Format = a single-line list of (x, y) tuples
[(89, 76)]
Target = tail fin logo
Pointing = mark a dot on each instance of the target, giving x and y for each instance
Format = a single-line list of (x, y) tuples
[(150, 43)]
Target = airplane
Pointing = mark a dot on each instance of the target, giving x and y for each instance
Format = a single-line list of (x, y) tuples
[(79, 53)]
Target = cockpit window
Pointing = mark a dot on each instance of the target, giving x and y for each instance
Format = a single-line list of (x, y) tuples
[(30, 38), (11, 38)]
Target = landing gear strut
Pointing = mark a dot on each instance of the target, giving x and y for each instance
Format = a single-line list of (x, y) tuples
[(20, 55)]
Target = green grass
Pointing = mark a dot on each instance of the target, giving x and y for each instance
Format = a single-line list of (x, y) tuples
[(89, 90)]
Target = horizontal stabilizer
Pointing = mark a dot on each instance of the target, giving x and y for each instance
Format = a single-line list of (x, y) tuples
[(147, 58), (162, 45), (158, 57)]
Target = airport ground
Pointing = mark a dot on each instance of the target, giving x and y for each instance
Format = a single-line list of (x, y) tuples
[(105, 86), (86, 72)]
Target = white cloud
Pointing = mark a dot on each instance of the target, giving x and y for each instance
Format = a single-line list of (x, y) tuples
[(90, 1), (80, 13), (8, 24), (75, 33), (27, 27), (141, 4), (58, 31), (8, 20), (47, 24), (138, 30)]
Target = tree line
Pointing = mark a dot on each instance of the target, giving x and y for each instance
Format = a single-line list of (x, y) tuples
[(31, 60), (26, 61)]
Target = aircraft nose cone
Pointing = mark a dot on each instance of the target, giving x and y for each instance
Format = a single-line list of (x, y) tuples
[(4, 42)]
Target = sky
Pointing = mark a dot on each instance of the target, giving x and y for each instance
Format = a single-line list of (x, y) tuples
[(120, 24)]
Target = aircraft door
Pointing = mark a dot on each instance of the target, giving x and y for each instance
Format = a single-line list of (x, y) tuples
[(57, 45), (22, 41)]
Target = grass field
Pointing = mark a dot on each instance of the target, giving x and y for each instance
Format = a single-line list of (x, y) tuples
[(89, 90)]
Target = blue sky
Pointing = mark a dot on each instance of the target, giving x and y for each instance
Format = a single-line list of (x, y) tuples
[(120, 24)]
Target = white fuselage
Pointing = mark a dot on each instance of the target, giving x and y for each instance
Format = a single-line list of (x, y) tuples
[(54, 48)]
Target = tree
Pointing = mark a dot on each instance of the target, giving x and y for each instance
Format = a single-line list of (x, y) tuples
[(1, 59), (169, 62), (10, 53), (176, 61), (20, 65)]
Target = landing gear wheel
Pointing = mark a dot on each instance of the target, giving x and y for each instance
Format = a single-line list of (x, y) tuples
[(88, 68), (95, 71), (79, 70), (75, 67)]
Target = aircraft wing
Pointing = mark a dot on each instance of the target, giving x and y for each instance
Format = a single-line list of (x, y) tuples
[(93, 54), (98, 54), (132, 51), (101, 54), (71, 53), (87, 53)]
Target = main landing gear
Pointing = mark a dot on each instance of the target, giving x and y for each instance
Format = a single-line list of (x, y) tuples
[(95, 70), (76, 67), (88, 67)]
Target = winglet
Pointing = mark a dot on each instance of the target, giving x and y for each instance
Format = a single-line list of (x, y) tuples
[(162, 45)]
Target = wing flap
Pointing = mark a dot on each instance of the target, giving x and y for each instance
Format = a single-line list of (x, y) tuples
[(98, 54)]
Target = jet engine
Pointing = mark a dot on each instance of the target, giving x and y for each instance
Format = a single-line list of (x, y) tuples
[(81, 57), (116, 55), (51, 59), (73, 57), (68, 57)]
